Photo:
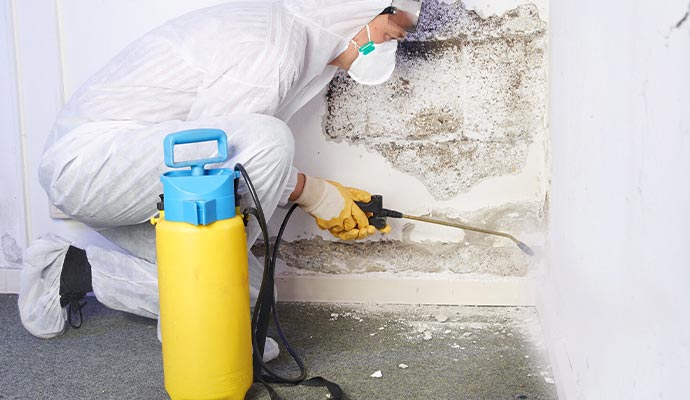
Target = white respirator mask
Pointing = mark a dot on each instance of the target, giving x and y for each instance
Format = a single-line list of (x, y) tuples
[(375, 63)]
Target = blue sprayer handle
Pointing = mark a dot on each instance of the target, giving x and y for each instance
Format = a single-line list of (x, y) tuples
[(195, 136)]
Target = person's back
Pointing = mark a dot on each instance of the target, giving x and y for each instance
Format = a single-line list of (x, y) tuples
[(239, 57)]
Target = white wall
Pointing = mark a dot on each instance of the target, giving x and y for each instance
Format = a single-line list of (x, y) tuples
[(13, 236), (616, 302)]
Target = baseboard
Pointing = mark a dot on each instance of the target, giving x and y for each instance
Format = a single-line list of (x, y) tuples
[(9, 280), (489, 291)]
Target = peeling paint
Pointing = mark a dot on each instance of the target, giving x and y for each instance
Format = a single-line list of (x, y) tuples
[(318, 255), (466, 100), (475, 254), (12, 253), (486, 9)]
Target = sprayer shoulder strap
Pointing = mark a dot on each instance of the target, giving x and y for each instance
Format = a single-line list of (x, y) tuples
[(265, 306), (266, 303), (317, 381)]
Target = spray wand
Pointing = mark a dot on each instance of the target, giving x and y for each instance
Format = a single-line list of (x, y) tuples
[(379, 215)]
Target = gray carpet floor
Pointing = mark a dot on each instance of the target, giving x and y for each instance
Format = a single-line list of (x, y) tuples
[(450, 353)]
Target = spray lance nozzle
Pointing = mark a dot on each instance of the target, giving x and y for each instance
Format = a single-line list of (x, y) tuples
[(378, 214)]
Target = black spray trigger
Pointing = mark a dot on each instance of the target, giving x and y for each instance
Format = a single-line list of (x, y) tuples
[(379, 214)]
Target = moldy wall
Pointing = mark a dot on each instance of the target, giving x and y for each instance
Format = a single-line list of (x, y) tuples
[(458, 133), (464, 103)]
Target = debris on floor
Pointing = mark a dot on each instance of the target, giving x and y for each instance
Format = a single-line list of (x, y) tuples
[(458, 352), (484, 366)]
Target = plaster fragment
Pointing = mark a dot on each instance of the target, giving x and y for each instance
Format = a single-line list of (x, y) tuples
[(547, 378), (402, 366), (377, 374)]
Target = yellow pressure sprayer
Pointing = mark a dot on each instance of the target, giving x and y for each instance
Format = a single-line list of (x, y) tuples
[(202, 277), (203, 282)]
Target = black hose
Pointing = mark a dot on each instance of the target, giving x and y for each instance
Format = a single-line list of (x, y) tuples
[(267, 284), (276, 320)]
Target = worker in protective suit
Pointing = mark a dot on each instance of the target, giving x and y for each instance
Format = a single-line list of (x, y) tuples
[(244, 67)]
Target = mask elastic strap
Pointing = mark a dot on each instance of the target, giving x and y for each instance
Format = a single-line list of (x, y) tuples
[(367, 47)]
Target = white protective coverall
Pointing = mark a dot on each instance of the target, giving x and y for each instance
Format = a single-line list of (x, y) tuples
[(244, 67)]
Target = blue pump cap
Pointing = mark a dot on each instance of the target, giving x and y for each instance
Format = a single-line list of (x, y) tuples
[(198, 196)]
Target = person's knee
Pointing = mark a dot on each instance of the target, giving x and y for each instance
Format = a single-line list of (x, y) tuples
[(278, 140), (68, 180), (267, 141), (56, 176)]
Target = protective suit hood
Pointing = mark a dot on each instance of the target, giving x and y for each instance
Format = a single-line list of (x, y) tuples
[(328, 26)]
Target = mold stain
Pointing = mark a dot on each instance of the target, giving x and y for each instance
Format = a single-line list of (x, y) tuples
[(12, 253), (466, 100), (431, 121)]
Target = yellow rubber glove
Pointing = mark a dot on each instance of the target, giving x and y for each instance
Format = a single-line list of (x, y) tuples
[(333, 207), (365, 197)]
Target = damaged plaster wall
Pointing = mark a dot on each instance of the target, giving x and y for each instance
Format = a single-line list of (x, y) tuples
[(457, 133), (464, 104)]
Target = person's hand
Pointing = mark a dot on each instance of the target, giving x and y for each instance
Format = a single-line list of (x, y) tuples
[(333, 207)]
